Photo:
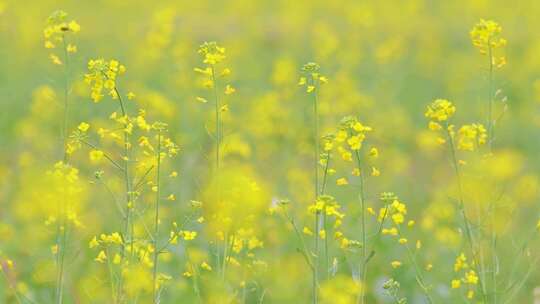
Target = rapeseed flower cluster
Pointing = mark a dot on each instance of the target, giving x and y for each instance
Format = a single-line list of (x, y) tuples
[(56, 34), (486, 37), (153, 198), (102, 75)]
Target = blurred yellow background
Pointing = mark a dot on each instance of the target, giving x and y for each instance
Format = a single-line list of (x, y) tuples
[(384, 60)]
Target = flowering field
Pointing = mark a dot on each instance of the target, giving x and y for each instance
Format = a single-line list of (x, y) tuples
[(269, 152)]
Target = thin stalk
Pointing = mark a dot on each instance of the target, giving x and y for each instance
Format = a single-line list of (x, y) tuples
[(363, 223), (523, 281), (156, 221), (142, 178), (217, 139), (490, 122), (299, 235), (519, 256), (227, 250), (112, 161), (61, 226), (316, 135), (218, 130), (315, 282), (480, 254), (261, 299), (195, 277), (461, 206), (491, 134), (494, 259), (62, 253), (111, 193), (305, 253), (419, 276), (127, 184), (325, 217), (10, 285), (66, 99), (325, 174), (170, 240), (111, 276)]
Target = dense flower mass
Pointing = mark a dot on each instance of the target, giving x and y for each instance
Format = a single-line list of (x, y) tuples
[(296, 157), (312, 78), (486, 34), (471, 136), (56, 34), (212, 53), (486, 37), (102, 75), (440, 110)]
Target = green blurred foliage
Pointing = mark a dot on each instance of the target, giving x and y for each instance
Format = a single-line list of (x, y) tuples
[(385, 61)]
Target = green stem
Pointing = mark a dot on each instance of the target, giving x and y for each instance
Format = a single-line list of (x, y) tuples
[(491, 135), (316, 135), (227, 250), (490, 122), (461, 206), (66, 99), (61, 226), (111, 276), (526, 276), (419, 276), (127, 184), (156, 221), (325, 218), (195, 277), (364, 263), (315, 282), (112, 161), (217, 110), (62, 253), (10, 285), (305, 253)]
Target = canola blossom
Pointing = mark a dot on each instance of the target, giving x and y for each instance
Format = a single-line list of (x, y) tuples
[(325, 153)]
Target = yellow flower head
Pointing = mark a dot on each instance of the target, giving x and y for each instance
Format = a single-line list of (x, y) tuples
[(342, 181), (83, 127), (440, 110), (101, 257), (485, 36), (471, 136), (57, 28), (95, 155), (312, 78), (102, 75), (461, 263), (212, 53), (471, 277), (206, 266)]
